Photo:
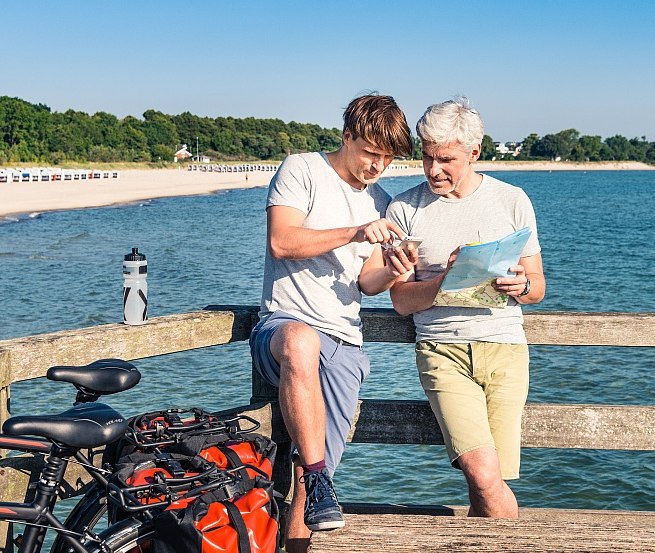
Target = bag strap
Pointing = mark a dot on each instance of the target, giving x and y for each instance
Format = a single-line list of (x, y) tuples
[(239, 525), (224, 496), (194, 443)]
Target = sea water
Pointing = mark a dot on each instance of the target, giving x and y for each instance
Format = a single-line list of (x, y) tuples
[(62, 270)]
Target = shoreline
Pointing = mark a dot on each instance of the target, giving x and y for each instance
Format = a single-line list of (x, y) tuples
[(24, 198)]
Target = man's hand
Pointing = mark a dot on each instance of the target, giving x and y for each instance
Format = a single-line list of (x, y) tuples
[(512, 285), (386, 263), (399, 261), (378, 232)]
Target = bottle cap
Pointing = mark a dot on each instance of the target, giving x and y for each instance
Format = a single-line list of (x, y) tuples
[(135, 255)]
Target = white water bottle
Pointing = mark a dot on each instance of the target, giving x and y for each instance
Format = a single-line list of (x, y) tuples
[(135, 288)]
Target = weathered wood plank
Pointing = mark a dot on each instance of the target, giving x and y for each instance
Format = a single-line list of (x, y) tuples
[(526, 513), (544, 425), (574, 532), (30, 357), (5, 382), (19, 473), (621, 427), (590, 329), (557, 328)]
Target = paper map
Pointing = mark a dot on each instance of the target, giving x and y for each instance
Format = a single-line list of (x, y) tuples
[(469, 280)]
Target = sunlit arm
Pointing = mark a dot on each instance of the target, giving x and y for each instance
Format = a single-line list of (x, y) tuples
[(528, 268), (383, 268), (533, 266), (409, 296), (288, 239)]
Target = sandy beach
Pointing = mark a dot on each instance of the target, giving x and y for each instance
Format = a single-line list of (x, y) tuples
[(134, 185)]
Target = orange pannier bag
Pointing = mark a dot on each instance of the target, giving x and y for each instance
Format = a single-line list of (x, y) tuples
[(217, 523), (228, 452), (196, 432)]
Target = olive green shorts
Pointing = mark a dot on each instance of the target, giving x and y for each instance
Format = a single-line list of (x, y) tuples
[(477, 391)]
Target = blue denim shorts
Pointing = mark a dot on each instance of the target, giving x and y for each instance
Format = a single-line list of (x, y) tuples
[(342, 370)]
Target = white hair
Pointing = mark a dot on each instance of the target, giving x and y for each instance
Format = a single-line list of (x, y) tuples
[(454, 121)]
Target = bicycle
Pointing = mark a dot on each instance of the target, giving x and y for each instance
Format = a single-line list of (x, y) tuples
[(63, 437), (89, 426)]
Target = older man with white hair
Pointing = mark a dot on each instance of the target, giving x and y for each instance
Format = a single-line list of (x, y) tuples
[(472, 361)]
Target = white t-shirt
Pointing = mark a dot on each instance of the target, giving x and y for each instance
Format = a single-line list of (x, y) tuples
[(321, 291), (493, 211)]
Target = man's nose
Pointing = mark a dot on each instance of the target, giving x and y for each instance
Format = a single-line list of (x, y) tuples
[(435, 168), (378, 163)]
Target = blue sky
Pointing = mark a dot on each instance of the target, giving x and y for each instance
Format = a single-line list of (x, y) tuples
[(527, 66)]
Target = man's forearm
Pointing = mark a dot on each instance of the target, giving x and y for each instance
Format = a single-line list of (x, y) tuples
[(303, 243), (537, 290), (412, 296), (376, 281)]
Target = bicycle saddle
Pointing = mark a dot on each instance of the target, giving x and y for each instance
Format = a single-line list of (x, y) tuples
[(85, 425), (102, 377)]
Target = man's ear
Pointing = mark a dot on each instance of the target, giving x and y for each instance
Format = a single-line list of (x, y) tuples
[(346, 136), (475, 153)]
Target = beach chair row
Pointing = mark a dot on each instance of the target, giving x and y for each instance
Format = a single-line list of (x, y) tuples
[(38, 174), (222, 168)]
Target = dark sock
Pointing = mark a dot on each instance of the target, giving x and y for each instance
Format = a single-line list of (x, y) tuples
[(314, 467)]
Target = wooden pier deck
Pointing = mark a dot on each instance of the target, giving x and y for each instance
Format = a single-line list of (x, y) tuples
[(536, 531), (388, 527)]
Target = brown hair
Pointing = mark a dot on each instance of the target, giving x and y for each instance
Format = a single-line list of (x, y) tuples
[(378, 120)]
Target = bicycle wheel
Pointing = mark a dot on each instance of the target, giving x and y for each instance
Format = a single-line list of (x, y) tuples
[(128, 536), (89, 512)]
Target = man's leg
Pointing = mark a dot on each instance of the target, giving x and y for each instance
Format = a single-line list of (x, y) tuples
[(297, 535), (280, 347), (283, 347), (490, 496), (506, 387), (296, 348)]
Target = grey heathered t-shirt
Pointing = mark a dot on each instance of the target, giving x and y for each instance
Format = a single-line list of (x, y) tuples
[(493, 211), (321, 291)]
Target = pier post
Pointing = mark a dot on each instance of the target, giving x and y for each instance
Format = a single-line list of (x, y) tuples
[(5, 381), (262, 391)]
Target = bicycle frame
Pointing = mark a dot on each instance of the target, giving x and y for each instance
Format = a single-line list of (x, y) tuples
[(38, 514)]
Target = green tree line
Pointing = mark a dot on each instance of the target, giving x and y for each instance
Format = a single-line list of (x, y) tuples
[(569, 145), (34, 133)]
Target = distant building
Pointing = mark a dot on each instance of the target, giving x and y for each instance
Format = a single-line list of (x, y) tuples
[(181, 154), (508, 148), (201, 159)]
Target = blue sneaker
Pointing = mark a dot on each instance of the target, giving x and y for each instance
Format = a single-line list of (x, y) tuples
[(322, 510)]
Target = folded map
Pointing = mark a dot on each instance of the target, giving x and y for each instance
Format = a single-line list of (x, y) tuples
[(468, 282)]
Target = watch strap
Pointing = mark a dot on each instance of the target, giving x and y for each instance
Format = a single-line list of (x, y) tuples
[(526, 290)]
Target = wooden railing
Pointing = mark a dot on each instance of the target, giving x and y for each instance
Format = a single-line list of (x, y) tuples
[(377, 421)]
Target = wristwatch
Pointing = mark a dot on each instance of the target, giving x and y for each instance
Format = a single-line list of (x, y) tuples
[(526, 290)]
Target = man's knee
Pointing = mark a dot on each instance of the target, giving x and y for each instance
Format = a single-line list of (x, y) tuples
[(481, 469), (294, 344)]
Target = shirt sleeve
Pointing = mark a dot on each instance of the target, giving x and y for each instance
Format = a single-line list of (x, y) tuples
[(396, 215), (527, 218), (292, 185)]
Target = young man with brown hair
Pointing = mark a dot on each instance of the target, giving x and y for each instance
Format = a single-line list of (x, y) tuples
[(325, 221)]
